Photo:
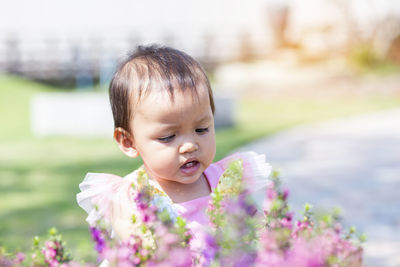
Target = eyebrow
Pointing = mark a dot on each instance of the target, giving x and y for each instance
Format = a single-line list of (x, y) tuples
[(165, 126), (204, 119)]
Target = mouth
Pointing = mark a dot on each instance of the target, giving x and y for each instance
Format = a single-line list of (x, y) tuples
[(190, 166)]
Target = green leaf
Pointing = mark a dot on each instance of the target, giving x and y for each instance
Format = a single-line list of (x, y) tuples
[(53, 231)]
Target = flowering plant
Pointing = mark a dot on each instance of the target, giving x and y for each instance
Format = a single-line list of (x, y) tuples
[(306, 242), (161, 237), (238, 234), (52, 254)]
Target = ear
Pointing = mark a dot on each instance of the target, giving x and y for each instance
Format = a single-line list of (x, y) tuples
[(125, 142)]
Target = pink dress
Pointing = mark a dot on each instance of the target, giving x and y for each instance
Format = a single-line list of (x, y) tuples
[(108, 197)]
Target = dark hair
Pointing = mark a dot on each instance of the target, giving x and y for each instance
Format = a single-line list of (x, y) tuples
[(147, 68)]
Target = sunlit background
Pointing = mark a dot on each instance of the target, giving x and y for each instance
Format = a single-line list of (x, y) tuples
[(273, 65)]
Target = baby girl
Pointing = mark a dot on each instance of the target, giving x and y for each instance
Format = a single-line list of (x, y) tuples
[(163, 111)]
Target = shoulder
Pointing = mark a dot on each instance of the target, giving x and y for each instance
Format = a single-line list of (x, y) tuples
[(255, 168), (99, 191), (255, 172), (253, 163)]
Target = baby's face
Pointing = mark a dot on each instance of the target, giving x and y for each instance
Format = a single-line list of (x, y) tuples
[(175, 138)]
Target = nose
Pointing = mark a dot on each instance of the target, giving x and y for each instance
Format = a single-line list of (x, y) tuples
[(188, 147)]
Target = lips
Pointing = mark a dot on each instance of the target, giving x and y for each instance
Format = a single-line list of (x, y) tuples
[(190, 167)]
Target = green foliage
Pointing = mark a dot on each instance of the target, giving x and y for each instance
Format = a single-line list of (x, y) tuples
[(229, 212), (231, 181), (366, 61), (230, 184), (181, 229), (364, 55), (307, 212)]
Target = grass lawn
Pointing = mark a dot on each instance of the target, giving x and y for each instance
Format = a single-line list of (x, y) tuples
[(40, 176)]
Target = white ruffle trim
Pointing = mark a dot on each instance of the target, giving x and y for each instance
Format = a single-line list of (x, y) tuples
[(98, 191), (256, 172)]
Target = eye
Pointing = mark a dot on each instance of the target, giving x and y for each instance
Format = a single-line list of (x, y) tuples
[(166, 139), (201, 130)]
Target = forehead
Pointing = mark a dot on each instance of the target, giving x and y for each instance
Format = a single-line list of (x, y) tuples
[(160, 105)]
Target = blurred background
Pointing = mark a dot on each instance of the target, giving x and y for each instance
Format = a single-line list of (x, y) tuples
[(273, 65)]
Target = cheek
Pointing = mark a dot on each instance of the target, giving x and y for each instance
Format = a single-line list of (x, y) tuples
[(209, 147), (159, 158)]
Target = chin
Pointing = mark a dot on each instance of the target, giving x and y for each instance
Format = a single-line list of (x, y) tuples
[(189, 180)]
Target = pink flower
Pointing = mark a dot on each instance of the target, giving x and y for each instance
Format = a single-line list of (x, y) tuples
[(53, 263), (49, 253), (285, 222), (271, 193), (19, 258)]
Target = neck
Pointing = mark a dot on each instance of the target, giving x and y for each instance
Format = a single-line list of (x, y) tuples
[(179, 192)]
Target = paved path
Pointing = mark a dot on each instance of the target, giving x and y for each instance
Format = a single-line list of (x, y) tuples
[(351, 163)]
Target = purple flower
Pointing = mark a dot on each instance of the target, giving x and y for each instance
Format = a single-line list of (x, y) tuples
[(285, 194), (98, 238), (289, 216), (211, 248), (246, 205), (245, 260)]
